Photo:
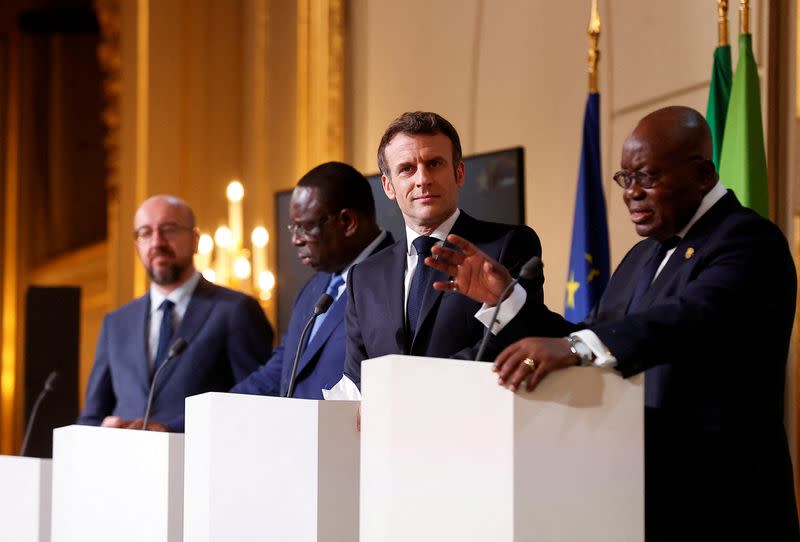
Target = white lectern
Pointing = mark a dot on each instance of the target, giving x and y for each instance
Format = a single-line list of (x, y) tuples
[(25, 484), (269, 468), (447, 454), (117, 484)]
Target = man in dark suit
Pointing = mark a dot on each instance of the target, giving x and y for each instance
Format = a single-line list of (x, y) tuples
[(334, 228), (226, 332), (392, 308), (704, 306)]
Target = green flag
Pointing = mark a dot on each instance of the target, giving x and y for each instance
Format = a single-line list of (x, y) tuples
[(718, 95), (743, 162)]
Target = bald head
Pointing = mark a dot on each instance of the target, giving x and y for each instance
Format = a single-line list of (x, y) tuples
[(166, 240), (669, 152), (676, 130)]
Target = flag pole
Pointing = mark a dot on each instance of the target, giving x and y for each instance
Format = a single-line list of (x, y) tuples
[(594, 52), (744, 17), (722, 22)]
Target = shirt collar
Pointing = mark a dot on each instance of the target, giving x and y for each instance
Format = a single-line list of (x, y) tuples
[(708, 201), (439, 233), (364, 253), (178, 295)]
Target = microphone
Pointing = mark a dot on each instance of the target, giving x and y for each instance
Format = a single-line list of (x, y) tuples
[(323, 304), (531, 270), (47, 388), (177, 347)]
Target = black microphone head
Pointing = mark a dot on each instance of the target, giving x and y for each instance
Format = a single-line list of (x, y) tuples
[(177, 347), (323, 304), (51, 380), (532, 269)]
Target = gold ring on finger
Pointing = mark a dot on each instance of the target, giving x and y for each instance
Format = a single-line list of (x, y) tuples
[(530, 362)]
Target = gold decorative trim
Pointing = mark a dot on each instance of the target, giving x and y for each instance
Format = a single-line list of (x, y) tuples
[(320, 82), (594, 52), (722, 22), (10, 367)]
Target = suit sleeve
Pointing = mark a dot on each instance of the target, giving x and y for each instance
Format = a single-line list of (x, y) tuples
[(534, 319), (249, 338), (100, 398), (355, 352), (267, 379)]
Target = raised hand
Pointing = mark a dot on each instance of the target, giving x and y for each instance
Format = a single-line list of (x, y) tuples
[(475, 274)]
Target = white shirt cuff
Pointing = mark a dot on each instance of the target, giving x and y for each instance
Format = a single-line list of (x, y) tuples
[(602, 355), (344, 390), (508, 309)]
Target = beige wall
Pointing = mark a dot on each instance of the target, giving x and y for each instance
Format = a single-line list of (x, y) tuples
[(512, 72)]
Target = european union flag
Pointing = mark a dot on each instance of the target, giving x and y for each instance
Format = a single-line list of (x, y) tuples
[(588, 261)]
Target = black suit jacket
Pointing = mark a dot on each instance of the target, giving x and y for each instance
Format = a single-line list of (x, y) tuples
[(447, 327), (713, 333)]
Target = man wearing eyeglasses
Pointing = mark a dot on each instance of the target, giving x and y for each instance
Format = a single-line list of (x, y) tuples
[(704, 307), (226, 332), (333, 228)]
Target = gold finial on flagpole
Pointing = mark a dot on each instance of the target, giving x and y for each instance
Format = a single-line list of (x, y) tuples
[(594, 53), (722, 22), (744, 17)]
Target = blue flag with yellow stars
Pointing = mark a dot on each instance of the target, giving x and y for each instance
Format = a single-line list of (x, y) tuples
[(588, 260)]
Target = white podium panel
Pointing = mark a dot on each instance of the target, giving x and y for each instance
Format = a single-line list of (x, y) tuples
[(117, 484), (447, 454), (270, 468), (25, 490)]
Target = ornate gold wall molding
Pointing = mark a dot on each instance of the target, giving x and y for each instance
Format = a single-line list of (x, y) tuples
[(320, 82), (10, 367)]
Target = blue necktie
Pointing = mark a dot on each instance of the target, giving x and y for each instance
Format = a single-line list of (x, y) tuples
[(164, 333), (421, 282), (333, 291)]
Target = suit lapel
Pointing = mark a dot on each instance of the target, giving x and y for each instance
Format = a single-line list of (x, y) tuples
[(333, 320), (140, 339), (394, 303), (432, 297), (689, 248), (197, 312)]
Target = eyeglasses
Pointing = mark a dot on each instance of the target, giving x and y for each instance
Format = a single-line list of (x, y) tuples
[(307, 230), (626, 178), (169, 231)]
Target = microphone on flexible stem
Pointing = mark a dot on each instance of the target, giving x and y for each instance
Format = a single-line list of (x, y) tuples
[(47, 388), (531, 270), (177, 347), (323, 304)]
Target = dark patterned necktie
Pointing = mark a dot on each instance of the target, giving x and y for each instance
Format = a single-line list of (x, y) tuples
[(421, 282), (164, 333), (649, 271)]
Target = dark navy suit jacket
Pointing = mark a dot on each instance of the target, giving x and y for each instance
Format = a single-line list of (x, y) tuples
[(713, 333), (447, 325), (321, 363), (227, 336)]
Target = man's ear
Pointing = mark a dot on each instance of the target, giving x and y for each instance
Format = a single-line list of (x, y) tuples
[(388, 188), (349, 220)]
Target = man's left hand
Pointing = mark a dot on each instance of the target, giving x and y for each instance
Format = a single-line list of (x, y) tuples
[(530, 360), (152, 425)]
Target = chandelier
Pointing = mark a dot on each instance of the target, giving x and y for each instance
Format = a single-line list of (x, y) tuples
[(224, 260)]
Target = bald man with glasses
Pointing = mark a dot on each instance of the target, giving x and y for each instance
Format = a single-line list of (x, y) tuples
[(227, 335)]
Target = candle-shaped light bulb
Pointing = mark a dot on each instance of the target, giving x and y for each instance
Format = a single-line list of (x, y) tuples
[(206, 244), (241, 268), (235, 191), (266, 281), (223, 237), (260, 237)]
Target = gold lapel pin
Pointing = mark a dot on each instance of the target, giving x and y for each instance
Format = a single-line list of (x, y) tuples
[(689, 253)]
